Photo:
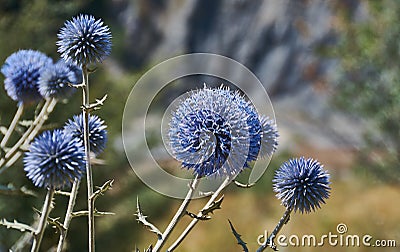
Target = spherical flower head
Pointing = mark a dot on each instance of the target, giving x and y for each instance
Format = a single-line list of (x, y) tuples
[(54, 160), (84, 40), (22, 70), (97, 132), (269, 136), (302, 184), (76, 70), (263, 133), (55, 80), (215, 132)]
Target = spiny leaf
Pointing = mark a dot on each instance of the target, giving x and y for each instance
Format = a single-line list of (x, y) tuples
[(55, 222), (194, 216), (102, 189), (17, 225), (238, 238), (96, 213), (143, 219), (96, 105), (214, 206)]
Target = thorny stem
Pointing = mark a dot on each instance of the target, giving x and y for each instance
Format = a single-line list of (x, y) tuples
[(37, 238), (178, 215), (270, 241), (85, 103), (200, 214), (13, 154), (11, 128), (68, 214)]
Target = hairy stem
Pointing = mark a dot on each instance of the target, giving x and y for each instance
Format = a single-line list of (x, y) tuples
[(11, 128), (37, 238), (68, 214), (86, 103), (13, 154), (178, 215), (193, 223), (270, 241)]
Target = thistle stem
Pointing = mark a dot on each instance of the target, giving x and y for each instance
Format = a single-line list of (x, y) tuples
[(13, 154), (13, 123), (178, 215), (68, 214), (37, 238), (270, 241), (85, 103), (195, 220)]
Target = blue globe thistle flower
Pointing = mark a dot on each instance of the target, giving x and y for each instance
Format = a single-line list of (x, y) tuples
[(22, 70), (84, 40), (97, 132), (263, 133), (215, 132), (302, 184), (76, 70), (55, 79), (269, 136), (54, 160)]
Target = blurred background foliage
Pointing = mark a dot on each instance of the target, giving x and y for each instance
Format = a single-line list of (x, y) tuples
[(330, 67)]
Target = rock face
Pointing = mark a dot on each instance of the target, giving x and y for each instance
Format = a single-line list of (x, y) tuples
[(276, 39)]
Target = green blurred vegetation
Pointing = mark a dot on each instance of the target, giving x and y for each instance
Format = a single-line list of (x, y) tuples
[(368, 83)]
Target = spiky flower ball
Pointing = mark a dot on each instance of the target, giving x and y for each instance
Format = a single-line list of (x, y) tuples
[(263, 133), (76, 70), (302, 184), (84, 40), (22, 70), (55, 79), (215, 132), (54, 160), (97, 132)]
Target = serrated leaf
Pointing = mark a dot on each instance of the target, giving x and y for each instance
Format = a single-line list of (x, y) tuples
[(238, 238), (143, 219), (55, 222), (194, 216), (214, 206), (102, 189), (17, 225)]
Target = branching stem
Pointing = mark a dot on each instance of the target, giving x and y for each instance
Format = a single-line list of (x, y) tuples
[(178, 215), (200, 214), (85, 104), (47, 206), (12, 126)]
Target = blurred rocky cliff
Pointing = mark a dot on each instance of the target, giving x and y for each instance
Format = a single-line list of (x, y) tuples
[(278, 40)]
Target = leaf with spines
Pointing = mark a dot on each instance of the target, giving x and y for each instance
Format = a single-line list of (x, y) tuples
[(102, 189), (17, 225), (214, 206), (55, 222), (143, 219), (194, 216), (238, 238)]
